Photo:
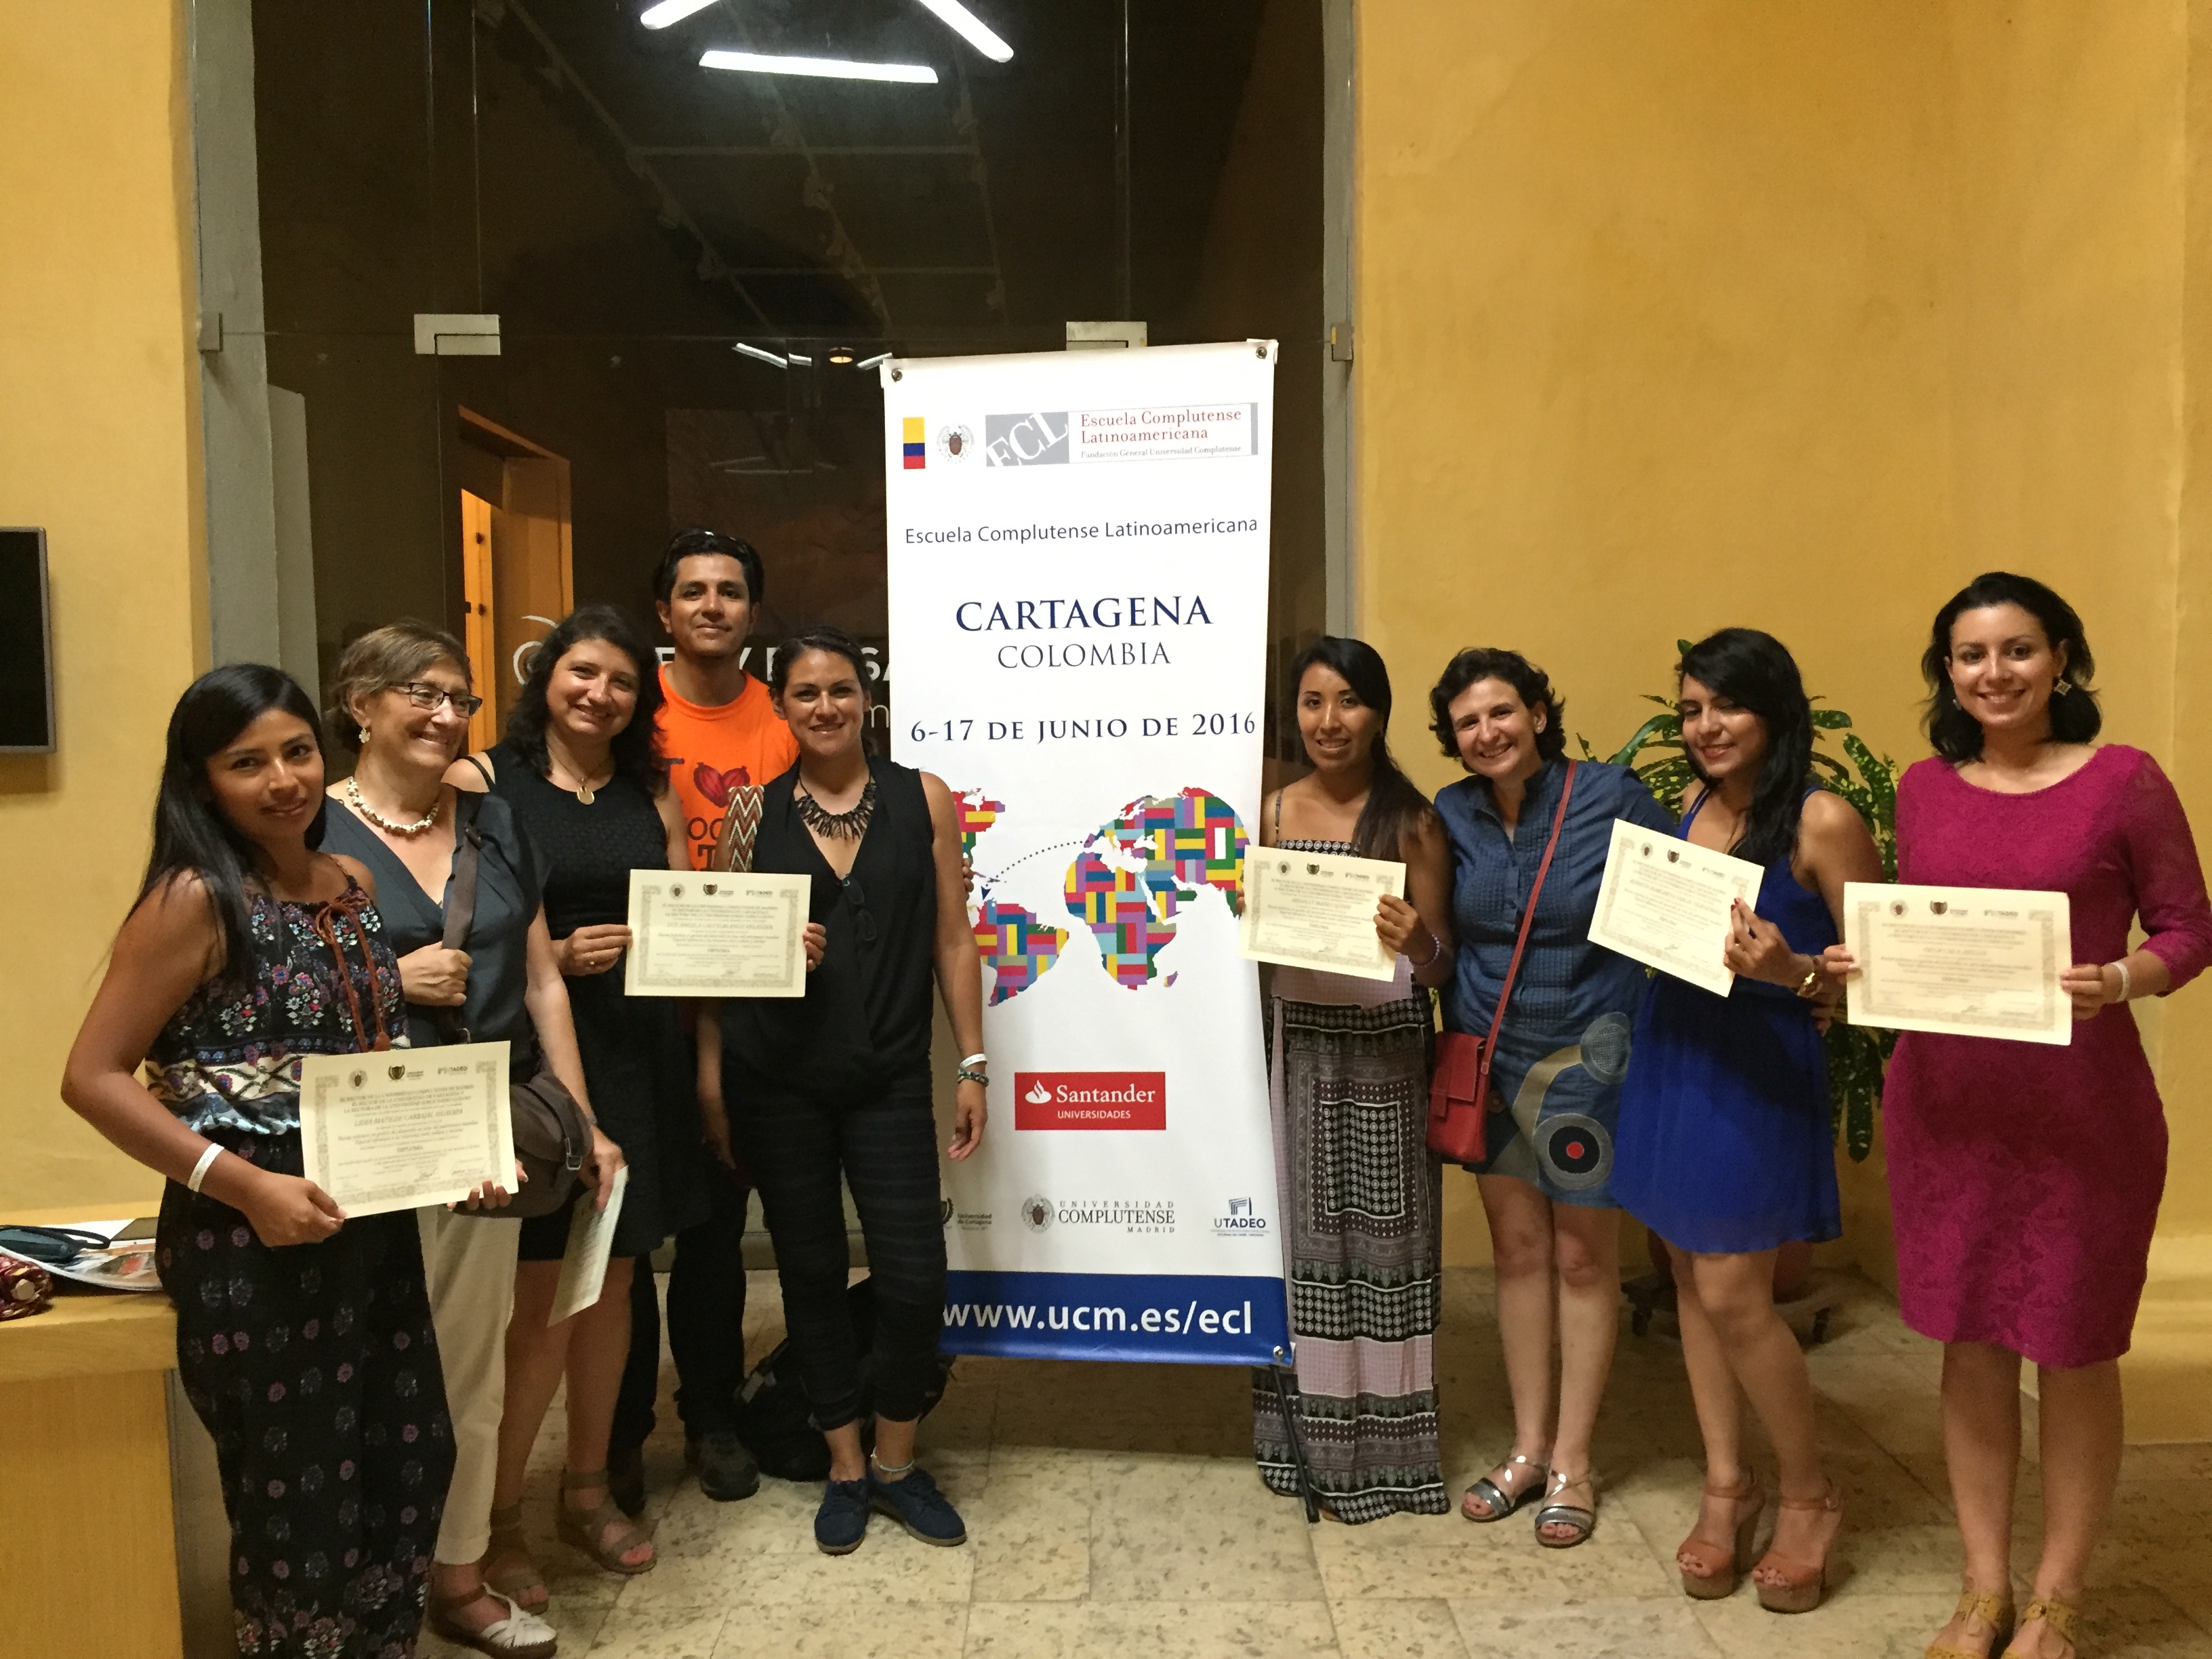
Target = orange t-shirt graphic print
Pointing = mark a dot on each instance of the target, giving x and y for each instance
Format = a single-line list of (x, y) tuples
[(713, 750)]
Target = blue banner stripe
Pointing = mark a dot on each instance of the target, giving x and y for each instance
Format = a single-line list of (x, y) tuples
[(1186, 1319)]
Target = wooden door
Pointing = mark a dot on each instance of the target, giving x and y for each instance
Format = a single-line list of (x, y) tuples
[(477, 602)]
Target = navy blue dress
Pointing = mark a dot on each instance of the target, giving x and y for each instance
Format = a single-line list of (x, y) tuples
[(1555, 1085), (1725, 1140)]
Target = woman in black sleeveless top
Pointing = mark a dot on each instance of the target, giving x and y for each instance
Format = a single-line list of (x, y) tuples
[(837, 1083)]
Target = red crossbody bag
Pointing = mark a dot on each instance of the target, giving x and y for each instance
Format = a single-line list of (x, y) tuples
[(1459, 1087)]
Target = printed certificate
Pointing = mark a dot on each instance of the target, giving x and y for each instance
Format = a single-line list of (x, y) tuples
[(1316, 910), (405, 1128), (716, 933), (1665, 903), (1964, 961), (591, 1241)]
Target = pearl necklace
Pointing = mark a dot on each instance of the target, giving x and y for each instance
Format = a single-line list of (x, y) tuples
[(354, 799)]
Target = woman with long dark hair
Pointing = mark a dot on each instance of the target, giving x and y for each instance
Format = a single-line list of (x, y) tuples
[(580, 769), (1347, 1086), (2025, 1180), (304, 1340), (835, 1084), (1726, 1148), (1561, 1052)]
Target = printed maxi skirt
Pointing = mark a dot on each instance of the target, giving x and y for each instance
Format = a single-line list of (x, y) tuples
[(315, 1369), (1361, 1202)]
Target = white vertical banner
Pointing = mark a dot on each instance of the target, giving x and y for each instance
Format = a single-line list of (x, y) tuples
[(1078, 610)]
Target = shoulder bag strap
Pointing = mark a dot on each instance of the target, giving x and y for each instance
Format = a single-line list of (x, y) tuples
[(740, 830), (1528, 916), (461, 893)]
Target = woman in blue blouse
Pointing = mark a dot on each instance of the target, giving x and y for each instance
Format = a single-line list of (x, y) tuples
[(1562, 1053)]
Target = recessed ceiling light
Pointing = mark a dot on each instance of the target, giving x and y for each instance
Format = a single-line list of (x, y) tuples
[(772, 359), (828, 69), (841, 354), (671, 11), (970, 28)]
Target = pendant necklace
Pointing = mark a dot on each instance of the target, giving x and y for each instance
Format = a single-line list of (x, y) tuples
[(848, 825), (586, 790), (354, 799)]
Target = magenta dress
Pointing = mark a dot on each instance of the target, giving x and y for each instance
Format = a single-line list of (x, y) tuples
[(2024, 1179)]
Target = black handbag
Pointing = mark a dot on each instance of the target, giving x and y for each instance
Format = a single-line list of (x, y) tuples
[(551, 1135)]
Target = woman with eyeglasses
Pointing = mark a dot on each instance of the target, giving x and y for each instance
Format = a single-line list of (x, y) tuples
[(836, 1084), (403, 698), (303, 1336)]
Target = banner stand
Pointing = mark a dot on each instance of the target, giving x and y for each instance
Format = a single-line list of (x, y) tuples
[(1276, 1373)]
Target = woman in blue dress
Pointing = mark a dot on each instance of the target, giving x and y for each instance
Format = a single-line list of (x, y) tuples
[(1562, 1052), (1725, 1147)]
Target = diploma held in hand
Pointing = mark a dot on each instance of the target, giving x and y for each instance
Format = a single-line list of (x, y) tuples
[(1316, 910), (716, 934), (1963, 961), (405, 1128), (591, 1243), (1667, 903)]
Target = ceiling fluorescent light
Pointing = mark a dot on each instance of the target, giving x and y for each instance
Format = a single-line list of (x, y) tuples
[(759, 356), (828, 69), (970, 28), (671, 11), (803, 362), (876, 362)]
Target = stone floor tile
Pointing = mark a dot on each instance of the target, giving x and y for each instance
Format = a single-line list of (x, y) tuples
[(1156, 1630), (842, 1630), (1397, 1629), (1031, 1530), (1600, 1628), (1171, 1528), (1846, 1627), (651, 1632), (1474, 1561)]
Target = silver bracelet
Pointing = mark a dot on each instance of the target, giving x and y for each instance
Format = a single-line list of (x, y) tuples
[(199, 1169), (2127, 982), (1436, 950), (971, 1059), (965, 1075)]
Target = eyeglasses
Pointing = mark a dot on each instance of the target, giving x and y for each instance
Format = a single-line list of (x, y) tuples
[(859, 898), (423, 695)]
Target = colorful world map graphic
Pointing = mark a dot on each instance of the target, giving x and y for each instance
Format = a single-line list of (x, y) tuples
[(1125, 884)]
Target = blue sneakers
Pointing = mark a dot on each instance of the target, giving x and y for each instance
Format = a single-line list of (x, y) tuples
[(915, 1504), (842, 1521)]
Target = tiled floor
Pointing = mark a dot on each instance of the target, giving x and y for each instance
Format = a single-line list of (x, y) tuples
[(1112, 1509)]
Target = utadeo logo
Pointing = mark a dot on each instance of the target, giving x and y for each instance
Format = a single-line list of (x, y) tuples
[(1091, 1099)]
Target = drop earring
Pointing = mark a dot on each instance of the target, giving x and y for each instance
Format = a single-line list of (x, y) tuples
[(364, 734), (2062, 687)]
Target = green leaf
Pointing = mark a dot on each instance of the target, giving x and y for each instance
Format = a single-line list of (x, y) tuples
[(1830, 719), (1681, 648)]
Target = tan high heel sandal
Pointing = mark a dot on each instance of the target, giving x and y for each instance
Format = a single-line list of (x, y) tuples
[(1707, 1574), (2057, 1616), (1790, 1586), (586, 1528), (1993, 1610)]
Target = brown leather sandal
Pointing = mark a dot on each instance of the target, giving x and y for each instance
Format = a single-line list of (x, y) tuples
[(1994, 1610), (2057, 1617), (588, 1529), (1786, 1585), (522, 1584), (1710, 1572)]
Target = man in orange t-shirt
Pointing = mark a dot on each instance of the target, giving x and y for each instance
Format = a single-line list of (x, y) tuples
[(719, 730)]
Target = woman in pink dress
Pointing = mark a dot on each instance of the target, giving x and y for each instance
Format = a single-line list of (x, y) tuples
[(2025, 1180)]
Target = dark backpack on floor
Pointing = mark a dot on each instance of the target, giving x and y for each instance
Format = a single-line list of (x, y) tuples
[(775, 1419)]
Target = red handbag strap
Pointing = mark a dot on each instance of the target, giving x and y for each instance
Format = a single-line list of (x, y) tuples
[(1528, 916)]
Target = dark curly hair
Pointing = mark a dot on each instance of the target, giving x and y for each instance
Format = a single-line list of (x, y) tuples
[(1755, 671), (2075, 717), (1530, 682), (636, 747)]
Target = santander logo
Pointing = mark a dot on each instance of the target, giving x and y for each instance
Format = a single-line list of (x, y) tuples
[(1091, 1099)]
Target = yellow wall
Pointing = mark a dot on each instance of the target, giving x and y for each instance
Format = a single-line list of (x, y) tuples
[(97, 421), (1677, 316)]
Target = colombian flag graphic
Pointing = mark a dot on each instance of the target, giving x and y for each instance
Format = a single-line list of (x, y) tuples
[(917, 444)]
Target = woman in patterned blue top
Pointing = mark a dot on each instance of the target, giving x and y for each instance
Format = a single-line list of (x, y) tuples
[(1562, 1053), (303, 1339)]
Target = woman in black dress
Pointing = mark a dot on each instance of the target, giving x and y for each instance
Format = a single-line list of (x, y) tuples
[(304, 1340), (581, 769), (837, 1083)]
